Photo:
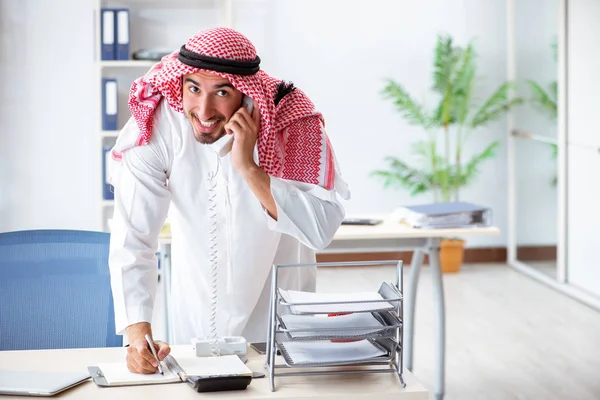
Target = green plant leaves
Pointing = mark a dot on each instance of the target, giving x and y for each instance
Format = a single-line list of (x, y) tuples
[(495, 106), (432, 170), (409, 108), (454, 80), (544, 100)]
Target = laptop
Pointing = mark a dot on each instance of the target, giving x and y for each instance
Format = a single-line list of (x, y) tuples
[(38, 383)]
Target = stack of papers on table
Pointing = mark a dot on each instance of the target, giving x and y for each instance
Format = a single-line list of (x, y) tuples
[(344, 302), (330, 353), (445, 215), (343, 325)]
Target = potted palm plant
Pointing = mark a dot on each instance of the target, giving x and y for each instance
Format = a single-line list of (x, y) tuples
[(442, 168)]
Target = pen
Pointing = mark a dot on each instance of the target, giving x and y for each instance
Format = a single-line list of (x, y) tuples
[(151, 344)]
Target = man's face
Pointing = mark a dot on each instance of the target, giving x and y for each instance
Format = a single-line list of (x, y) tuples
[(208, 103)]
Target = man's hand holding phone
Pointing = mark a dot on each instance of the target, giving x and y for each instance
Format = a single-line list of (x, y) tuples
[(244, 125)]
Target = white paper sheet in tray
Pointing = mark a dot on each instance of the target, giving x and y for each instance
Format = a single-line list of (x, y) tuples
[(344, 302), (325, 352), (350, 325)]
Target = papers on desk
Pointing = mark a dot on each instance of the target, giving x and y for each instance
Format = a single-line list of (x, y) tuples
[(360, 324), (330, 353), (444, 215), (342, 302), (117, 374)]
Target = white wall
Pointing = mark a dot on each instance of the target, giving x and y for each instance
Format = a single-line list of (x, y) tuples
[(47, 169), (339, 61)]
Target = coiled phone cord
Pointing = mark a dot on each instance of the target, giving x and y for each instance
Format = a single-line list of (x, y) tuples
[(213, 262)]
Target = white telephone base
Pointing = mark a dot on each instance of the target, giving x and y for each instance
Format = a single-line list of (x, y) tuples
[(227, 345)]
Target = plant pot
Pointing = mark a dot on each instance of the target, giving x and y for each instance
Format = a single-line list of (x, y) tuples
[(452, 252)]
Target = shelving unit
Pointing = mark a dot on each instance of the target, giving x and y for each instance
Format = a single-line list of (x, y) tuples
[(153, 24), (310, 340), (126, 64), (109, 133)]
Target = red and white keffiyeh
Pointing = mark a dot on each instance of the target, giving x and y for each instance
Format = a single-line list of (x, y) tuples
[(292, 142)]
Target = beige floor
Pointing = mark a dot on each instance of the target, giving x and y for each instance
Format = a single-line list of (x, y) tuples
[(546, 267), (508, 337)]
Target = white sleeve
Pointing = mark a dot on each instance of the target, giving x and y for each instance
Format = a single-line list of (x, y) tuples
[(309, 213), (141, 203)]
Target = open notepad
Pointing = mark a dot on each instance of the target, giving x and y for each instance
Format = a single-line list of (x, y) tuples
[(117, 374)]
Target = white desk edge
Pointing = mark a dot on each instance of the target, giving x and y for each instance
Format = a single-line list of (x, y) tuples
[(369, 386)]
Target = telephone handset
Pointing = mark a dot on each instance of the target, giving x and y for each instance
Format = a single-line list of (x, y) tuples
[(228, 139)]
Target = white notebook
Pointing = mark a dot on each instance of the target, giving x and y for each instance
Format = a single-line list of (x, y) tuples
[(342, 325), (328, 352), (117, 374), (297, 298)]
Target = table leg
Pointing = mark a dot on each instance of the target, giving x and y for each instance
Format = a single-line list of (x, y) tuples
[(438, 298), (165, 253), (409, 315)]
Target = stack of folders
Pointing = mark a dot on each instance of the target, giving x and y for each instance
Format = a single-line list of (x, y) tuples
[(337, 328), (445, 215), (114, 34)]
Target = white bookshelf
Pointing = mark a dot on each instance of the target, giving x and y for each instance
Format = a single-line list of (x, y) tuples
[(153, 24), (126, 64)]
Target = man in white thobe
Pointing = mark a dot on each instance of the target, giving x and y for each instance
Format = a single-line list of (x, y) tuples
[(273, 199)]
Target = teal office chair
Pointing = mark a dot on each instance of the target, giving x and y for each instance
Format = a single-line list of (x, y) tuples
[(55, 290)]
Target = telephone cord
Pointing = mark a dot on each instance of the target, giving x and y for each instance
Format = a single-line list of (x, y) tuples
[(213, 261)]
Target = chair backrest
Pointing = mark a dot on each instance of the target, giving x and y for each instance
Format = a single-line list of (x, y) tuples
[(55, 290)]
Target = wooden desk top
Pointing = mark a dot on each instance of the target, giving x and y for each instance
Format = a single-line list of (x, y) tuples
[(352, 386)]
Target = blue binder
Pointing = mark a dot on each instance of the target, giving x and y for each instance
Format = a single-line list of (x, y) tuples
[(108, 192), (109, 104), (445, 208), (445, 215), (107, 34), (122, 33)]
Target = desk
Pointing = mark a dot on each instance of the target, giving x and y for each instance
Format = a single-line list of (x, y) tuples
[(352, 387), (392, 236)]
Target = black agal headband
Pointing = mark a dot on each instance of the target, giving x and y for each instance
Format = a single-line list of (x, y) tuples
[(218, 64)]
